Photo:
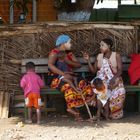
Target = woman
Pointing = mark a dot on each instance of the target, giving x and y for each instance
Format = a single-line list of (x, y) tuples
[(73, 99), (108, 66)]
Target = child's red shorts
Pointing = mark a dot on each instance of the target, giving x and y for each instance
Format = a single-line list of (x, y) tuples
[(33, 100)]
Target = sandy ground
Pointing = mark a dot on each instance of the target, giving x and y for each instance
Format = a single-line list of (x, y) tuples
[(64, 127)]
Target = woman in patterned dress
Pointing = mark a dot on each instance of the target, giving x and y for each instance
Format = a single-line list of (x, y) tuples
[(108, 66), (73, 98)]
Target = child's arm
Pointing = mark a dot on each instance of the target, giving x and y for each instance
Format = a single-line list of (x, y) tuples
[(41, 82), (23, 82)]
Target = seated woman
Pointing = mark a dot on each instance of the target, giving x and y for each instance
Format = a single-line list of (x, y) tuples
[(73, 98), (108, 66)]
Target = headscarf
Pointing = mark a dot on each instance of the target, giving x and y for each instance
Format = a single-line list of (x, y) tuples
[(62, 39)]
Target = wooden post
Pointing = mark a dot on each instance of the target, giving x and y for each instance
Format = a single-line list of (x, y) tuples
[(4, 104), (139, 102), (11, 12), (34, 11), (1, 102), (119, 2)]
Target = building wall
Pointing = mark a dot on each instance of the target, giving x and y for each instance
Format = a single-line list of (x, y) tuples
[(45, 11), (4, 10)]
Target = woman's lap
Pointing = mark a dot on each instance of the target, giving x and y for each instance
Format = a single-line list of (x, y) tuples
[(116, 104), (72, 98)]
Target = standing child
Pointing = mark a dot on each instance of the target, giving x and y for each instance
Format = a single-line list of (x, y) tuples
[(103, 94), (31, 84)]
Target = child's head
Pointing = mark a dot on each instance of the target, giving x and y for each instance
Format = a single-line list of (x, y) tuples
[(30, 66), (61, 55), (98, 83)]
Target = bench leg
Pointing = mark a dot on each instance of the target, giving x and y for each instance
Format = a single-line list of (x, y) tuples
[(45, 103), (139, 102), (25, 112)]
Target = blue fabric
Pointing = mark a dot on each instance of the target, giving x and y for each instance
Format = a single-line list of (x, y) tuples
[(62, 66), (62, 39)]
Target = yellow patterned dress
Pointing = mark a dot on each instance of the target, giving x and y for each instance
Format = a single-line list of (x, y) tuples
[(74, 99)]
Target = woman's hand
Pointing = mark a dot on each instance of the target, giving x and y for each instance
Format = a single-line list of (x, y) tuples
[(85, 56), (112, 82), (67, 76)]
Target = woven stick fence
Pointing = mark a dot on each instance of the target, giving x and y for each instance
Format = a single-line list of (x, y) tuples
[(36, 41)]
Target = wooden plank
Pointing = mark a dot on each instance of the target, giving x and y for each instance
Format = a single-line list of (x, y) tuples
[(84, 68), (5, 110), (1, 102), (38, 69), (129, 88), (19, 97), (133, 88), (44, 61), (4, 104), (39, 61), (46, 90), (42, 64)]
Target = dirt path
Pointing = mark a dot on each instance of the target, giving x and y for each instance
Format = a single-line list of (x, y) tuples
[(65, 128)]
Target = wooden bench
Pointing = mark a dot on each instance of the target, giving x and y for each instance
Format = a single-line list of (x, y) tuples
[(42, 69)]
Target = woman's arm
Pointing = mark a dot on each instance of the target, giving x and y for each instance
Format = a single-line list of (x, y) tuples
[(92, 67), (75, 63), (51, 64), (119, 69), (119, 66)]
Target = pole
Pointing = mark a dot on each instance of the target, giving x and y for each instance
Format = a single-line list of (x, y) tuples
[(11, 10), (34, 11)]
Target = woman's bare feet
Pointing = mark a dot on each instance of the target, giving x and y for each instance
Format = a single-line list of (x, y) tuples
[(76, 114), (79, 119)]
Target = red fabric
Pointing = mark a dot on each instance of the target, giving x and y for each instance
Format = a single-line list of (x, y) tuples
[(134, 68), (54, 51), (69, 56)]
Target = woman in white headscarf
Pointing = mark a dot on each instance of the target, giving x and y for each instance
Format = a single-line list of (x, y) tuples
[(108, 66)]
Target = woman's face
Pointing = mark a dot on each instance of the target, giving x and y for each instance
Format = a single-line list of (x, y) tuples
[(104, 47), (68, 45)]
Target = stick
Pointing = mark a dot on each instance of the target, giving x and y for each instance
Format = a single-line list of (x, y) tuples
[(88, 110)]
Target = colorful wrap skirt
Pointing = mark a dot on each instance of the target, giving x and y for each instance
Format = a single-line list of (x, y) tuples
[(74, 99)]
